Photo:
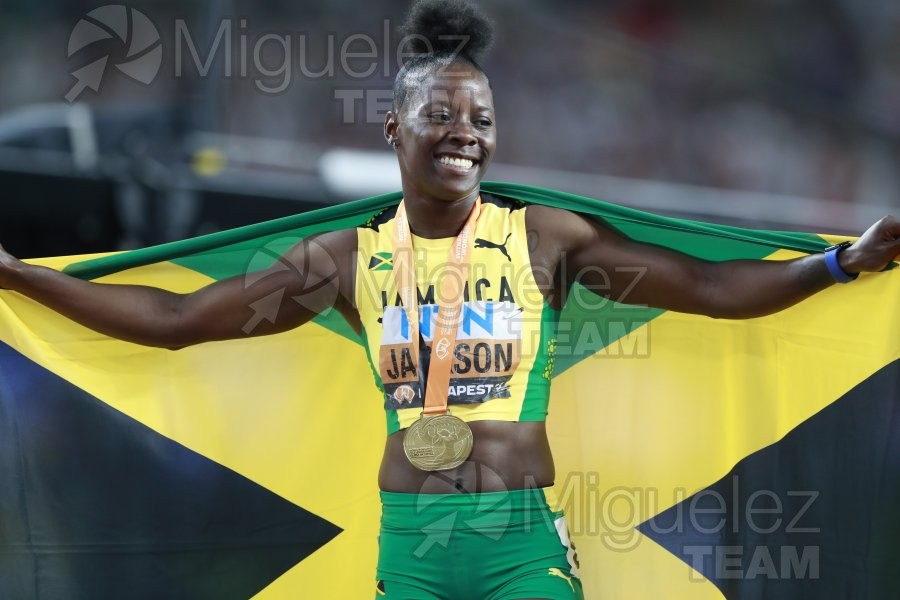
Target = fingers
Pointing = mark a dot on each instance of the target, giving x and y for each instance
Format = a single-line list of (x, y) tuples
[(878, 245), (890, 227), (889, 230)]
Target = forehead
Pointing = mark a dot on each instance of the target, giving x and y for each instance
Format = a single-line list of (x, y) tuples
[(454, 85)]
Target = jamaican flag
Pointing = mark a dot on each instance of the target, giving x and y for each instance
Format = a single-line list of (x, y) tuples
[(697, 458)]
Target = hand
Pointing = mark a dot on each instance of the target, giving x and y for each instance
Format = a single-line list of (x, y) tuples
[(877, 247)]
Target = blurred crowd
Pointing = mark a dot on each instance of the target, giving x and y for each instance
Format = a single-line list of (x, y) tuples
[(795, 97)]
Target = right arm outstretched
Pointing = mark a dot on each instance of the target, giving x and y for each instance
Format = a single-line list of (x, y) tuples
[(314, 275)]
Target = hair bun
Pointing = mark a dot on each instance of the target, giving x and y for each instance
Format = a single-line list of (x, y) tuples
[(447, 27)]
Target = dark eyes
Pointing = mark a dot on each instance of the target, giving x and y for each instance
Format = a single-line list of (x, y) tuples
[(443, 118)]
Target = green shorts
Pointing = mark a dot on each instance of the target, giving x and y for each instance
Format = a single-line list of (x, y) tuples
[(490, 546)]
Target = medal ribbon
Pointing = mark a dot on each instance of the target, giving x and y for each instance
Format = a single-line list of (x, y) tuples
[(453, 278)]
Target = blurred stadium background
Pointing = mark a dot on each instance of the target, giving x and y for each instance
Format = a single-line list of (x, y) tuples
[(763, 113)]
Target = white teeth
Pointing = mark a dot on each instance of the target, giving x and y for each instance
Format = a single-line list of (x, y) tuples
[(463, 163)]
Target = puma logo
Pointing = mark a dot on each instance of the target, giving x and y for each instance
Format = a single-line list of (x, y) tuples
[(558, 573), (482, 243)]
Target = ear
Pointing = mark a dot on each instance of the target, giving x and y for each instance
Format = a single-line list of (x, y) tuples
[(390, 128)]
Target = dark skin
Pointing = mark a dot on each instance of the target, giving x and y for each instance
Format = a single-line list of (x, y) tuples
[(452, 114)]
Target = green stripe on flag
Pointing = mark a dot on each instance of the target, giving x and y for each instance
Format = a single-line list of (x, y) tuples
[(246, 240)]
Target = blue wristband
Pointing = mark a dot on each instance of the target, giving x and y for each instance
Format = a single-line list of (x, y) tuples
[(834, 267)]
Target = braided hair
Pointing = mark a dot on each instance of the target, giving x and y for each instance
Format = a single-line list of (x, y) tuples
[(441, 33)]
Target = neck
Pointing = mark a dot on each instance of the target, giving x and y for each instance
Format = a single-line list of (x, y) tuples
[(433, 219)]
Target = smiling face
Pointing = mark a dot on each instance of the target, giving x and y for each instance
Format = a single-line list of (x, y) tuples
[(444, 133)]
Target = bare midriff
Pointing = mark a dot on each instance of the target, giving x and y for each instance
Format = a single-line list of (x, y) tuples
[(505, 456)]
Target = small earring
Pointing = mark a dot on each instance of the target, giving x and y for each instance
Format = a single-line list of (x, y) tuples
[(392, 143)]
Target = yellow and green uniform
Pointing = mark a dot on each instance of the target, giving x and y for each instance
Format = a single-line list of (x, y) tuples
[(503, 356), (430, 544)]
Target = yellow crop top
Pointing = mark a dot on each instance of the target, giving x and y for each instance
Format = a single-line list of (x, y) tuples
[(503, 356)]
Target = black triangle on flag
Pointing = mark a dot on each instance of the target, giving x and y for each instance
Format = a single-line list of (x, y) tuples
[(815, 515), (94, 504)]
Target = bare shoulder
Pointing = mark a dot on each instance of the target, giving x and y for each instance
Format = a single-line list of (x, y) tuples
[(338, 245), (341, 241), (561, 230)]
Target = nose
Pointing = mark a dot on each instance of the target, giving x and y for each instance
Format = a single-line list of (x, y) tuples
[(463, 133)]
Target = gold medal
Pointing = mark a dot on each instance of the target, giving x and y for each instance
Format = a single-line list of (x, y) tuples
[(438, 442)]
